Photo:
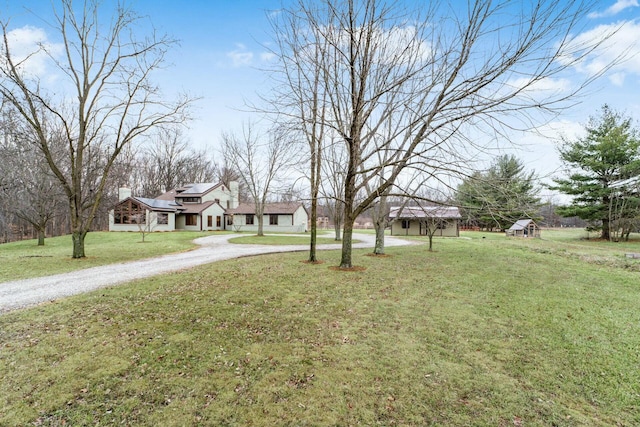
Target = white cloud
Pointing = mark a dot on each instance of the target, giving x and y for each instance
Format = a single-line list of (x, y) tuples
[(240, 57), (395, 45), (619, 46), (547, 85), (243, 57), (30, 47), (554, 131), (615, 8), (537, 91), (267, 56), (617, 79)]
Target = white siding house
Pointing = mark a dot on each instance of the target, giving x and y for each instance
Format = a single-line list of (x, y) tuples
[(278, 217), (194, 207)]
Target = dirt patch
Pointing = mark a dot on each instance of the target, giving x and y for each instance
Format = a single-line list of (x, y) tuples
[(312, 262), (378, 255), (354, 268)]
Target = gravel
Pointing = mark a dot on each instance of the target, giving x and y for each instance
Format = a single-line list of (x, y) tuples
[(28, 292)]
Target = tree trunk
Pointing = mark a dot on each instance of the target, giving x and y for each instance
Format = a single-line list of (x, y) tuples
[(314, 229), (40, 236), (347, 236), (338, 229), (314, 203), (78, 243), (261, 226), (379, 247), (349, 217), (606, 232)]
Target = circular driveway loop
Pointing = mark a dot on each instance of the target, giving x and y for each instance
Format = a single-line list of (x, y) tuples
[(27, 292)]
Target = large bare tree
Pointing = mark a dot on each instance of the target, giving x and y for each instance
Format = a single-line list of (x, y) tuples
[(261, 160), (439, 76), (300, 99), (103, 97)]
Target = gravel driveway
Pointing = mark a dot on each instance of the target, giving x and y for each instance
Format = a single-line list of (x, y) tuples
[(28, 292)]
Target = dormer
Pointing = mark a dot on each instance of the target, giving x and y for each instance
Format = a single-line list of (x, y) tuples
[(188, 199)]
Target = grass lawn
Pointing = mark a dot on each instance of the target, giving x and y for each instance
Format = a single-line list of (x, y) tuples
[(482, 331), (25, 259)]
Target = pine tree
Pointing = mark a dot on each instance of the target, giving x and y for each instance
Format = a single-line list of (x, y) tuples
[(603, 167)]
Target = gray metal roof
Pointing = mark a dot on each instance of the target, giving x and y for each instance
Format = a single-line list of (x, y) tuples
[(416, 212), (521, 224), (197, 189), (156, 204)]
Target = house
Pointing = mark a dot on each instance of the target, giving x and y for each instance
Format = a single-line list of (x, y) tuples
[(524, 228), (282, 217), (195, 207), (416, 221)]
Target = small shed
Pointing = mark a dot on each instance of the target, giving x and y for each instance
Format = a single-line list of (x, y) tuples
[(417, 221), (524, 228)]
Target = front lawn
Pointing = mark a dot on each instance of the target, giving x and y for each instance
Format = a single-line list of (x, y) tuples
[(495, 332), (25, 259)]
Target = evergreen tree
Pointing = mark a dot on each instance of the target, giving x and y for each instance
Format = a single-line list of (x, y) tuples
[(500, 196), (602, 167)]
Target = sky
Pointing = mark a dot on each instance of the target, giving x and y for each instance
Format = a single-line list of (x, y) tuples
[(224, 46)]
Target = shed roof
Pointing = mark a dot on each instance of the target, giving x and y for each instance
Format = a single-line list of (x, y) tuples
[(521, 224), (417, 212)]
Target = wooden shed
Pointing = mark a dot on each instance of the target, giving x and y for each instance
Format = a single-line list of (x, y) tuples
[(524, 228), (418, 221)]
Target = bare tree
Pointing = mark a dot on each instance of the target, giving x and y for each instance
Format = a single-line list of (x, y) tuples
[(332, 184), (260, 161), (300, 98), (168, 163), (28, 191), (146, 222), (34, 194), (111, 100), (440, 77)]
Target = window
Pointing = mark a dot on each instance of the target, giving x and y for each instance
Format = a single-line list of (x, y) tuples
[(230, 220), (209, 221), (162, 218), (406, 223), (190, 199), (218, 221), (273, 219), (129, 212), (191, 219), (249, 219)]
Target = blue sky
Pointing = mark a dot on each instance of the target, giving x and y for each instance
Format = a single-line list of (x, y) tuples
[(222, 48)]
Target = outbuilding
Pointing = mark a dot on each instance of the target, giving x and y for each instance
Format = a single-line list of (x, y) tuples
[(419, 221), (524, 228)]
